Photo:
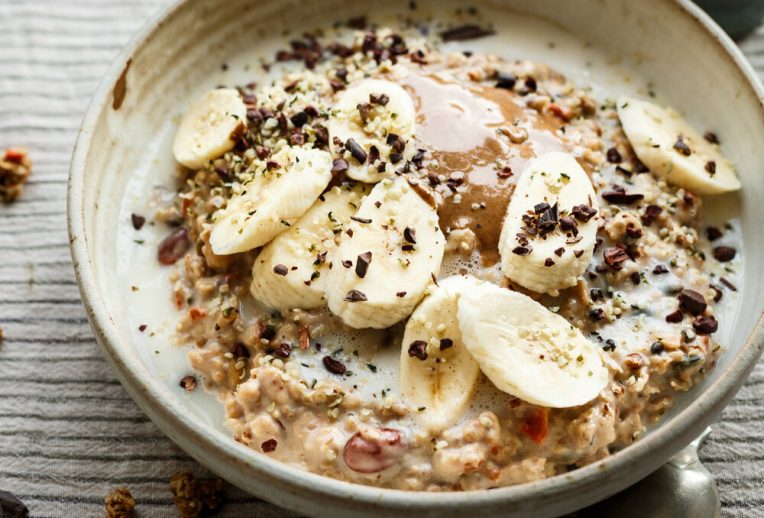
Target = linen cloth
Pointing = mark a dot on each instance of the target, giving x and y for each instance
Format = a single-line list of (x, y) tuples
[(69, 433)]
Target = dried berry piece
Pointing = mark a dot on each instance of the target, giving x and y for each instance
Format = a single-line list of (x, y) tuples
[(119, 504), (465, 32), (535, 424), (692, 301), (188, 383), (373, 450), (333, 366), (174, 246), (418, 349), (705, 325), (724, 254)]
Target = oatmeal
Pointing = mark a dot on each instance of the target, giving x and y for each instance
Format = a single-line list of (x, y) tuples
[(531, 255)]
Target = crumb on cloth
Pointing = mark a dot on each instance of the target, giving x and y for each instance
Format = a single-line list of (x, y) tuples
[(120, 504), (15, 167), (195, 497)]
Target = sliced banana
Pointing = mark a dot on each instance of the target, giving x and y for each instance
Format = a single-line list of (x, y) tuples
[(273, 201), (368, 116), (673, 150), (550, 228), (387, 257), (290, 271), (209, 128), (438, 374), (528, 351)]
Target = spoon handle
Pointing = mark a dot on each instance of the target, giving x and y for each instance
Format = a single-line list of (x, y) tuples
[(681, 487)]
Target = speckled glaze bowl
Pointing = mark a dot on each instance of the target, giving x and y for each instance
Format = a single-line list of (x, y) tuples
[(687, 58)]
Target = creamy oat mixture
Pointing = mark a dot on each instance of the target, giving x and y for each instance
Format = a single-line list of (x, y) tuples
[(352, 209)]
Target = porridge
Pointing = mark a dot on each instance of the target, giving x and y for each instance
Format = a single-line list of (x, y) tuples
[(530, 253)]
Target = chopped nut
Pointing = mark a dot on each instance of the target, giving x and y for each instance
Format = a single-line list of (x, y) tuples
[(119, 504)]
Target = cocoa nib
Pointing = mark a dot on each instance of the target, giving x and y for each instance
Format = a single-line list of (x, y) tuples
[(418, 349), (174, 246), (614, 257), (724, 254), (619, 196), (138, 221), (188, 383), (613, 156), (334, 366), (674, 317), (505, 80), (705, 325), (465, 32), (681, 146), (446, 343), (651, 214), (692, 301), (583, 212), (280, 269), (283, 350), (713, 233), (362, 264), (521, 250), (409, 234), (355, 296), (356, 151)]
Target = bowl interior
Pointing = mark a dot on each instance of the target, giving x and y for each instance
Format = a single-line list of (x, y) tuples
[(615, 46)]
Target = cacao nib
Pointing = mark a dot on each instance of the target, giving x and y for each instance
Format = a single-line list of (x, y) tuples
[(269, 445), (362, 264), (355, 296), (705, 325), (465, 32), (418, 349), (619, 196), (138, 221), (333, 366), (356, 151)]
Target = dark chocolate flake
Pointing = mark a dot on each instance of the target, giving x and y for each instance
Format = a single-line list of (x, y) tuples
[(356, 151), (298, 119), (660, 269), (409, 234), (711, 137), (138, 221), (596, 314), (548, 262), (705, 325), (355, 296), (362, 264), (692, 301), (521, 250), (446, 343), (724, 254), (613, 156), (280, 269), (713, 233), (619, 196), (418, 349), (283, 350), (583, 212), (727, 283), (347, 263), (674, 317), (614, 257), (711, 167), (681, 146), (360, 220), (340, 165), (505, 80), (651, 214), (400, 294)]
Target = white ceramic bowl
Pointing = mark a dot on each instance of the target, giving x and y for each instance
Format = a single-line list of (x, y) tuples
[(684, 55)]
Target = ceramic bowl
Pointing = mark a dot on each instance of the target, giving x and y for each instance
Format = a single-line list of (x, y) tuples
[(685, 57)]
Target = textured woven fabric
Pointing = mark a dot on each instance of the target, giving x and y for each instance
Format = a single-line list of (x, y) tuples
[(69, 433)]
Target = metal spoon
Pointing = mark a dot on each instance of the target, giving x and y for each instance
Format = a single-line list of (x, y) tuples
[(681, 487)]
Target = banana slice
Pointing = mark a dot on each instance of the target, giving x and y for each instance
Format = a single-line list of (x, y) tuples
[(270, 203), (673, 150), (373, 115), (528, 351), (438, 374), (209, 128), (290, 271), (550, 228), (387, 257)]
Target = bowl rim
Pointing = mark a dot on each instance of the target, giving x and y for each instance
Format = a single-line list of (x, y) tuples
[(213, 449)]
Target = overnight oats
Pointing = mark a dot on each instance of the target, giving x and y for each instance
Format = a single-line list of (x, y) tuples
[(409, 267)]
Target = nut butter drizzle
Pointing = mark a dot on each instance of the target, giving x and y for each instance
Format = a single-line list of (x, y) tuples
[(468, 132)]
